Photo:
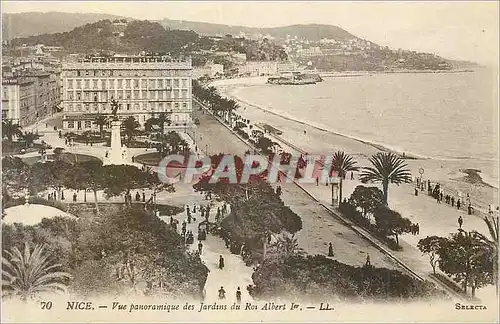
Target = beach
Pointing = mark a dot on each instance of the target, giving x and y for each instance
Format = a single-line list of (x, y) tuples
[(456, 175)]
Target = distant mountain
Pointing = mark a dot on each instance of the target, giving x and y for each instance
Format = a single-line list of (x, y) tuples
[(36, 23), (313, 32)]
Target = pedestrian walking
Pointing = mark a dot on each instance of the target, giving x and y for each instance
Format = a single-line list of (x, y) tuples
[(452, 201), (74, 197), (490, 210), (460, 221), (368, 263), (221, 262), (222, 293), (352, 175), (317, 181), (416, 191), (330, 249), (238, 295), (458, 203), (143, 196), (200, 247)]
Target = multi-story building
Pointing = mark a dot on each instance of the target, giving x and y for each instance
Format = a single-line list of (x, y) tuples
[(18, 100), (143, 88), (258, 68)]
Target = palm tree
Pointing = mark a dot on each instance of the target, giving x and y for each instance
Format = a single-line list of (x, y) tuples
[(162, 119), (9, 130), (101, 121), (387, 168), (130, 126), (492, 223), (341, 164), (29, 138), (31, 273)]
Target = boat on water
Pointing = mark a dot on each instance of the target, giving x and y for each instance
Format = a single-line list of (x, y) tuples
[(295, 78)]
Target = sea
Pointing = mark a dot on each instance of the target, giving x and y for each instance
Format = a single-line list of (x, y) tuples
[(443, 116)]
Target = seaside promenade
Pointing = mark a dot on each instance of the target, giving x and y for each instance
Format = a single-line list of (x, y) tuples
[(320, 227)]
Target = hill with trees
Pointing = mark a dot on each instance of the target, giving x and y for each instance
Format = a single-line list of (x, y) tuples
[(313, 32), (138, 36), (27, 24)]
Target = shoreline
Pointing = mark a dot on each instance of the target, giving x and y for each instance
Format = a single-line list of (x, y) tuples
[(445, 171)]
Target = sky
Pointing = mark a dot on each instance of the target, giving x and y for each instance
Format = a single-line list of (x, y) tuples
[(457, 30)]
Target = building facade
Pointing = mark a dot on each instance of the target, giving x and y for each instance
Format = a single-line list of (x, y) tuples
[(18, 100), (143, 88)]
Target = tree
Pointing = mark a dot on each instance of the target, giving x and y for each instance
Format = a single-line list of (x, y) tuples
[(30, 273), (15, 175), (264, 144), (288, 245), (58, 151), (387, 168), (467, 259), (29, 138), (391, 222), (101, 121), (10, 129), (492, 223), (431, 246), (130, 126), (341, 164), (367, 198)]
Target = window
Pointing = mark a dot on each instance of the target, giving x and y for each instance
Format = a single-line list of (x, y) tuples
[(87, 107), (78, 95), (70, 107), (152, 83), (79, 107), (176, 94), (94, 84), (87, 96), (169, 83), (144, 83), (136, 83), (71, 124), (184, 83), (88, 124), (151, 95), (160, 94), (128, 106), (111, 83), (78, 84), (144, 93), (87, 84), (160, 83), (70, 83), (103, 84), (160, 106), (70, 95), (136, 94), (184, 105), (169, 107), (120, 94), (136, 106), (176, 83), (184, 93), (120, 83), (95, 107), (128, 93), (176, 105), (127, 83)]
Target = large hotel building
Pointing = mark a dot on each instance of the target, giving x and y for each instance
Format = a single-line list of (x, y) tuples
[(143, 87)]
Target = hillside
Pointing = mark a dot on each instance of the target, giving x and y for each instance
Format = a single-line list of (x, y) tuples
[(137, 36), (313, 32), (36, 23)]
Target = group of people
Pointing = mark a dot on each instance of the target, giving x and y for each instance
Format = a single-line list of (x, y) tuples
[(439, 195), (53, 195), (222, 294)]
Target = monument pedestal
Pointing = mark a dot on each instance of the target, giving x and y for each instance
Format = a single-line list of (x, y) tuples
[(116, 154)]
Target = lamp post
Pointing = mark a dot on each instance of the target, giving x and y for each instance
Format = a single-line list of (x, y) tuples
[(335, 191)]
